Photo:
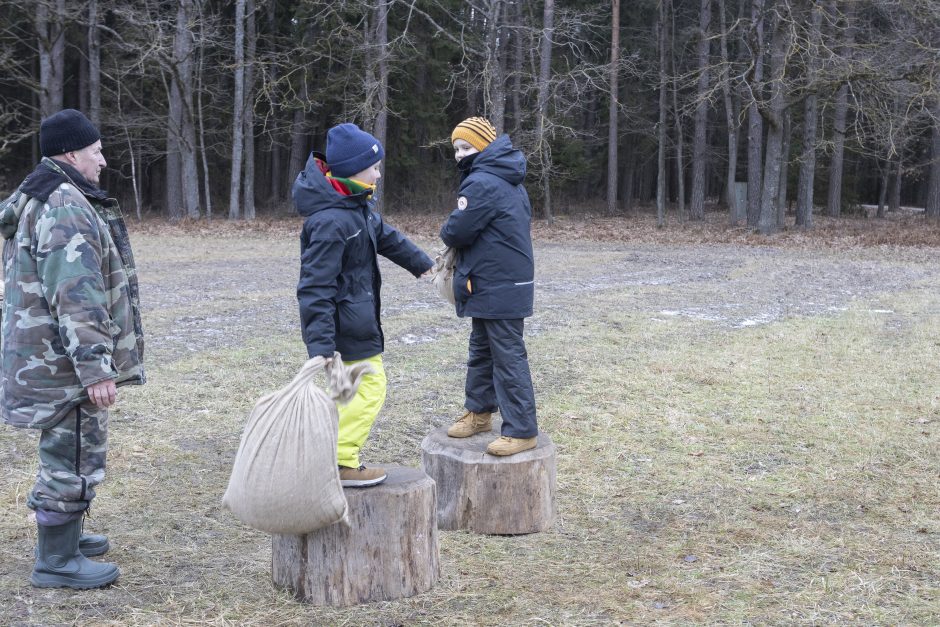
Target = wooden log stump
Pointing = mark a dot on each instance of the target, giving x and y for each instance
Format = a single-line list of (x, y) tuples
[(483, 493), (387, 551)]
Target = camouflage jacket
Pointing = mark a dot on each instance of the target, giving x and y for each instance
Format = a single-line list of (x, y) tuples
[(71, 314)]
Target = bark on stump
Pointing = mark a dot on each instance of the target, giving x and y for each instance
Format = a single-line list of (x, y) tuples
[(388, 551), (483, 493)]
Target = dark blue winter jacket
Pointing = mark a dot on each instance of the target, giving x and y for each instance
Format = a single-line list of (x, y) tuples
[(495, 273), (340, 285)]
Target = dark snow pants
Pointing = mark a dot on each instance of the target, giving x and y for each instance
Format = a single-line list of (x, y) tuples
[(498, 375)]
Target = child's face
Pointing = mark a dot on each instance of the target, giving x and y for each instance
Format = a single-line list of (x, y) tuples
[(462, 149), (370, 175)]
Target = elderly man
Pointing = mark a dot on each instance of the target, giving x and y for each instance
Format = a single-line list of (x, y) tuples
[(71, 335)]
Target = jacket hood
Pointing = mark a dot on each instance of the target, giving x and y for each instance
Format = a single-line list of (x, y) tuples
[(312, 192), (502, 160)]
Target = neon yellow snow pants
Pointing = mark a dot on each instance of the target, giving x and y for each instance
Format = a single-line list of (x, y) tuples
[(357, 417)]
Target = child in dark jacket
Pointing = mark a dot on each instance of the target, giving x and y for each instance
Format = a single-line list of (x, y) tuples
[(494, 281), (340, 285)]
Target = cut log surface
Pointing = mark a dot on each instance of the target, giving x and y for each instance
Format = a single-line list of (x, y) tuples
[(483, 493), (388, 550)]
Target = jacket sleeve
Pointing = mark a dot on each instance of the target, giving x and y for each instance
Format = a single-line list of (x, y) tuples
[(69, 251), (321, 261), (395, 246), (473, 213)]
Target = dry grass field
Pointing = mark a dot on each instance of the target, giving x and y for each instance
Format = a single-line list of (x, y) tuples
[(748, 432)]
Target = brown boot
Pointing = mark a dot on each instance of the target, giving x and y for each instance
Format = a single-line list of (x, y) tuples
[(361, 477), (504, 445), (471, 424)]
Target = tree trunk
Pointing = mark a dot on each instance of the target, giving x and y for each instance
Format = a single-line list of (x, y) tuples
[(677, 118), (895, 203), (755, 125), (174, 167), (784, 172), (699, 142), (207, 189), (184, 50), (767, 222), (836, 165), (238, 115), (487, 494), (251, 32), (94, 65), (731, 121), (387, 551), (494, 89), (883, 188), (381, 111), (661, 154), (612, 134), (545, 65), (840, 115), (933, 186), (518, 59), (804, 192), (51, 40)]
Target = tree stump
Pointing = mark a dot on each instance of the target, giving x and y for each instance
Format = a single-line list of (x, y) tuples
[(387, 551), (483, 493)]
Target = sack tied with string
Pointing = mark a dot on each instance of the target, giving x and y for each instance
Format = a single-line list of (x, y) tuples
[(442, 274), (285, 478)]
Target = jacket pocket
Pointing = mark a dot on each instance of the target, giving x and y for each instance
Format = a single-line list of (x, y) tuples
[(462, 286), (357, 318)]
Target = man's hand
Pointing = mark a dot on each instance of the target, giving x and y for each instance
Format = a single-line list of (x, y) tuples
[(102, 393)]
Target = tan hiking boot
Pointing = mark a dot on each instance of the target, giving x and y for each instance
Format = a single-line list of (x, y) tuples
[(361, 477), (471, 424), (504, 445)]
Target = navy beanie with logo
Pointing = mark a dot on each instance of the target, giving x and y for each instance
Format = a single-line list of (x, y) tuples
[(350, 150), (66, 131)]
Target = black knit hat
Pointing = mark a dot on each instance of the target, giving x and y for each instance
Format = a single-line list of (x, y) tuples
[(66, 131)]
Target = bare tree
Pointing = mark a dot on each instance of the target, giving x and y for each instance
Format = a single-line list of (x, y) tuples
[(49, 21), (94, 64), (773, 114), (731, 101), (251, 28), (612, 135), (700, 137), (542, 144), (238, 113), (933, 187), (840, 116), (804, 193), (663, 14), (755, 126)]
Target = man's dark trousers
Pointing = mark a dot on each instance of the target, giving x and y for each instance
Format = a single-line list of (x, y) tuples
[(498, 375)]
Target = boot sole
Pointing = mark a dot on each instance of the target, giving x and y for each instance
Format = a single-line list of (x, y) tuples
[(362, 483), (48, 580), (468, 435)]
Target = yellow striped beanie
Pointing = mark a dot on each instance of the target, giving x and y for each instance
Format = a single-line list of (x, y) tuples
[(478, 132)]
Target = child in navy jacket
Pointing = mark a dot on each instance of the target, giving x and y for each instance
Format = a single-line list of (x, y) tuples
[(494, 281), (340, 284)]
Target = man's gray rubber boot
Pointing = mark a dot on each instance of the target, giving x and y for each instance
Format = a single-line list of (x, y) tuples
[(59, 563)]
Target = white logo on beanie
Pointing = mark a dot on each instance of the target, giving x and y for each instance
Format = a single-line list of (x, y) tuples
[(375, 148)]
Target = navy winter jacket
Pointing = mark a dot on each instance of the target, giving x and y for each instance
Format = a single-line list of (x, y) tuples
[(340, 285), (490, 229)]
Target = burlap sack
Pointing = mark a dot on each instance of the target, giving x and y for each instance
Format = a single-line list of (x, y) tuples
[(285, 478), (442, 274)]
